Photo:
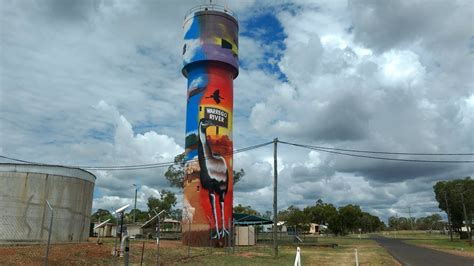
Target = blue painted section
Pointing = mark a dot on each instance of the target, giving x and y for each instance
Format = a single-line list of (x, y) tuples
[(198, 79), (193, 31), (192, 112), (191, 155)]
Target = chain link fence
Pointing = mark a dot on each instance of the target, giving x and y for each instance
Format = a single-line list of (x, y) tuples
[(241, 241)]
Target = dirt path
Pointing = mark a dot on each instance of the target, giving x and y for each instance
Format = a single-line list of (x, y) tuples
[(412, 255)]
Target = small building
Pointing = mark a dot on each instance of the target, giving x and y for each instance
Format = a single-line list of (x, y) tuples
[(314, 229), (245, 235), (281, 227), (245, 228), (105, 231), (169, 229)]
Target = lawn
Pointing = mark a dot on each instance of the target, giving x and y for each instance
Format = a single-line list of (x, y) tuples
[(457, 246), (174, 253), (413, 234), (369, 253), (433, 240)]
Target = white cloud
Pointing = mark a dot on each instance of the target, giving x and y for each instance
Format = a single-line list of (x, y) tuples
[(401, 69)]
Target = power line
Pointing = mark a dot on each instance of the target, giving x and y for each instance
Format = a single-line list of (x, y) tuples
[(385, 152), (136, 166), (374, 157), (345, 152)]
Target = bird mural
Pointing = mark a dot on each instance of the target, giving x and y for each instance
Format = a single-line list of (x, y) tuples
[(215, 95), (214, 175)]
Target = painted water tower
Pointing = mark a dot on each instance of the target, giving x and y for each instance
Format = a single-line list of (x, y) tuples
[(210, 63)]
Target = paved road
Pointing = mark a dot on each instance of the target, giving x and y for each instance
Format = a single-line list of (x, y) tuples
[(412, 255)]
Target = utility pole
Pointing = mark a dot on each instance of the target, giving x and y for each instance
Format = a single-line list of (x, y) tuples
[(409, 215), (449, 216), (135, 208), (275, 192)]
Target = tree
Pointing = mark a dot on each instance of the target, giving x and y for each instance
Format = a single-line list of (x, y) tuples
[(430, 222), (369, 223), (267, 214), (245, 210), (350, 215), (457, 195), (166, 202), (346, 219), (238, 175), (339, 221), (176, 214), (102, 215), (335, 224), (320, 212), (393, 222), (295, 218), (141, 216), (175, 173)]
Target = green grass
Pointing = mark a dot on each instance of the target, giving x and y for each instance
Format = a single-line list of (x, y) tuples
[(433, 240), (413, 234), (456, 246), (369, 253)]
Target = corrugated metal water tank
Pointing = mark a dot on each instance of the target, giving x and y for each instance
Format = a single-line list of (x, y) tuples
[(25, 216)]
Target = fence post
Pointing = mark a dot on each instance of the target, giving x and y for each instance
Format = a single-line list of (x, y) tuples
[(356, 257), (298, 257), (237, 239), (49, 232), (115, 236), (143, 250), (158, 229), (126, 250)]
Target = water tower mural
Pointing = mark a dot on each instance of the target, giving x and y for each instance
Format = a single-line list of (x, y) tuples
[(210, 59)]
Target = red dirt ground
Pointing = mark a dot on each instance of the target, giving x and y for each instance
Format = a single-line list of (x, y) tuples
[(77, 253)]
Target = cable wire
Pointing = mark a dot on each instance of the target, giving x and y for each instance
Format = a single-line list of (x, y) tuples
[(374, 157), (136, 166), (384, 152), (311, 147)]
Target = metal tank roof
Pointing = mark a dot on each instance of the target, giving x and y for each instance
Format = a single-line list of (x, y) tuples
[(217, 9), (48, 169)]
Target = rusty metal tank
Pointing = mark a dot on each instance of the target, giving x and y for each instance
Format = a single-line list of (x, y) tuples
[(25, 216)]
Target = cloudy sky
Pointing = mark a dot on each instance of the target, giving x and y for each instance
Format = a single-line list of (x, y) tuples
[(99, 83)]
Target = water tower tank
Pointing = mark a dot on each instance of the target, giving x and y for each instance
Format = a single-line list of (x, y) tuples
[(210, 63)]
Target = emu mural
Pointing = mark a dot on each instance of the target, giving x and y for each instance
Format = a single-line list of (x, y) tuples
[(214, 175)]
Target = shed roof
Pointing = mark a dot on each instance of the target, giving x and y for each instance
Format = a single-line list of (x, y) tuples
[(247, 219)]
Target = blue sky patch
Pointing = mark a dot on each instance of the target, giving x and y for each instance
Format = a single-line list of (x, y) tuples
[(105, 134), (266, 28)]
